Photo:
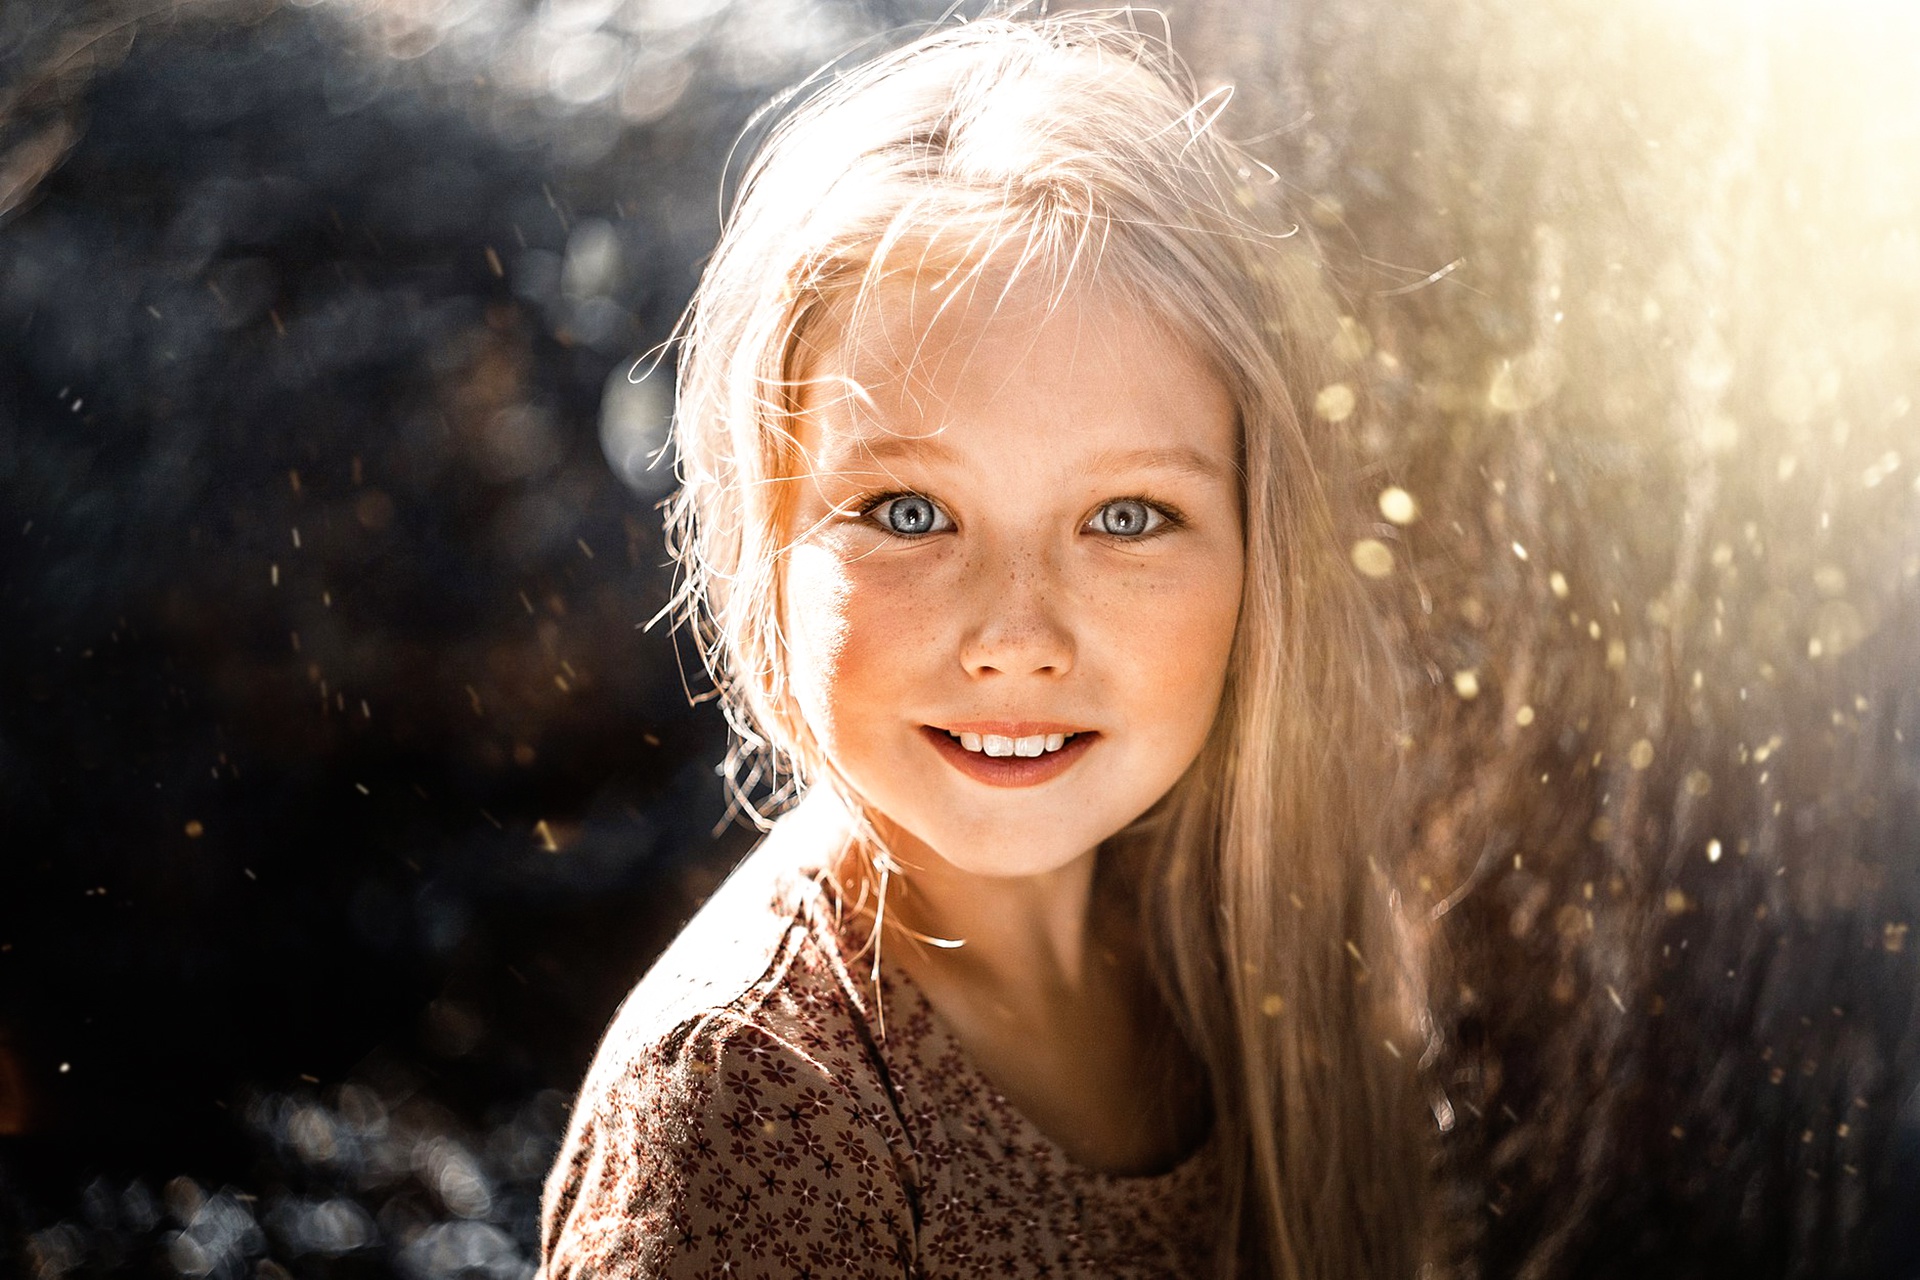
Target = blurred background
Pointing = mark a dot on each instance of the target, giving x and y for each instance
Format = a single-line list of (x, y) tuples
[(344, 791)]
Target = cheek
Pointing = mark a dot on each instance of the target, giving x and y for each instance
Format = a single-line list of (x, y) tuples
[(853, 627), (815, 627), (1177, 631)]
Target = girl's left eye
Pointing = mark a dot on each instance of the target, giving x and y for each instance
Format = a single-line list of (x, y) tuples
[(1128, 518)]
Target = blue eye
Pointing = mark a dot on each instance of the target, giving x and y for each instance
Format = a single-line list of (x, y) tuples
[(1127, 518), (909, 516)]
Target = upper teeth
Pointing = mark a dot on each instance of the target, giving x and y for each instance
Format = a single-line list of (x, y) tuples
[(994, 744)]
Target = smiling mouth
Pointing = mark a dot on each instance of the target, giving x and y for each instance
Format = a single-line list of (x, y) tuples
[(1007, 759), (1000, 745)]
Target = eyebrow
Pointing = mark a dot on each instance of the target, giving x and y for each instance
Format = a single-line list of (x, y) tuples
[(1179, 459)]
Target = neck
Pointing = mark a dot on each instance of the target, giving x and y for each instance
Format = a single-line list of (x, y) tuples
[(1025, 937), (1029, 933)]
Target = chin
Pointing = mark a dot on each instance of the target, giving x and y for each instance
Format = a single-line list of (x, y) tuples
[(999, 854)]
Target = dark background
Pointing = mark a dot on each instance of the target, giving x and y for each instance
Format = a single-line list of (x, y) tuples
[(343, 789)]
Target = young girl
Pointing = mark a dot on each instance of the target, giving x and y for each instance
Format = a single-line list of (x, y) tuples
[(1012, 543)]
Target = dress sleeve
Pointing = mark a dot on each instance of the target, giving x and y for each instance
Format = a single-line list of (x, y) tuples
[(724, 1151)]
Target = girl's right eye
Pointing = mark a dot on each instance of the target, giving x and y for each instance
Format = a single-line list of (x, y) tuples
[(909, 515)]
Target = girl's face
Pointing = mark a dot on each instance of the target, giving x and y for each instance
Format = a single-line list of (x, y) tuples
[(1014, 567)]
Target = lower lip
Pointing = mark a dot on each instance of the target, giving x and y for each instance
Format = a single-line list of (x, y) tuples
[(1009, 771)]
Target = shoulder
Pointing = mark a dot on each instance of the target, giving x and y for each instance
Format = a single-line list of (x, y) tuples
[(745, 942), (732, 1152), (760, 965), (735, 1118)]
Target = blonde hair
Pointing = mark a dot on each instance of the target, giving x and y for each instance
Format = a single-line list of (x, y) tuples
[(1076, 145)]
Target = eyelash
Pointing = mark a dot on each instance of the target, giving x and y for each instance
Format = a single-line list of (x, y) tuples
[(1171, 517)]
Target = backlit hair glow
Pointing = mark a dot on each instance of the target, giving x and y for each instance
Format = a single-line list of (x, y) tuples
[(1075, 151)]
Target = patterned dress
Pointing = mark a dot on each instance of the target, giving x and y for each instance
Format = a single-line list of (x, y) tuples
[(747, 1117)]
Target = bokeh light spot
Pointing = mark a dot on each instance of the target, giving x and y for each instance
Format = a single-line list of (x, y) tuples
[(1373, 558)]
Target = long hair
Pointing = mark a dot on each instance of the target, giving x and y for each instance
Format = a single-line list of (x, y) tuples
[(1074, 148)]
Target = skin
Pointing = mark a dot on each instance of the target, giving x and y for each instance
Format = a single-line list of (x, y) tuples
[(1021, 421)]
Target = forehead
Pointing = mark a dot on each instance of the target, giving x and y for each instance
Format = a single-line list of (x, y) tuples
[(929, 364)]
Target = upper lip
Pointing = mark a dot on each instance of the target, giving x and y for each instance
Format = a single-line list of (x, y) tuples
[(1011, 728)]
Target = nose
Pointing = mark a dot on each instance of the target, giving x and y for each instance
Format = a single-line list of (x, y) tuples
[(1016, 617)]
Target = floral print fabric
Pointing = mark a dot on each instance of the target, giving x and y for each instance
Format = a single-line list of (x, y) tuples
[(746, 1116)]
